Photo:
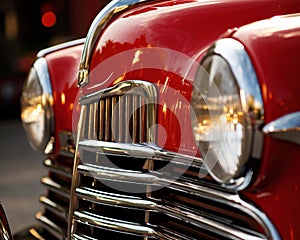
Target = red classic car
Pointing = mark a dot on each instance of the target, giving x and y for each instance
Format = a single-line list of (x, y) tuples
[(171, 120)]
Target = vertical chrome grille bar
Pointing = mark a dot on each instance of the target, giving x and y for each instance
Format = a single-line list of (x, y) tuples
[(143, 122), (134, 119), (107, 119), (114, 118), (121, 137), (95, 120), (127, 109), (101, 120)]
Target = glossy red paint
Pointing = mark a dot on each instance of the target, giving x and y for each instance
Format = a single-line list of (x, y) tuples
[(63, 70), (273, 46), (162, 43), (169, 38)]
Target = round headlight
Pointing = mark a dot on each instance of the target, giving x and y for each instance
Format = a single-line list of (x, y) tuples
[(227, 103), (36, 105)]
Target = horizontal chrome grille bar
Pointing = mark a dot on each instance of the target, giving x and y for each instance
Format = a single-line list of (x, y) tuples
[(148, 151), (58, 209), (114, 199), (50, 183), (117, 174), (66, 171), (55, 229), (113, 224)]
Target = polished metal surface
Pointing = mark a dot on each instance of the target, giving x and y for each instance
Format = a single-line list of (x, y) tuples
[(186, 214), (131, 103), (41, 68), (58, 47), (55, 201), (114, 8), (5, 233), (252, 104), (286, 128)]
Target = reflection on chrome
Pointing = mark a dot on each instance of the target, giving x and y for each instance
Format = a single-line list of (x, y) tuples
[(286, 128), (111, 10)]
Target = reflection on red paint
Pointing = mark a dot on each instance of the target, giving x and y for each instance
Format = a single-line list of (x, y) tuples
[(49, 19)]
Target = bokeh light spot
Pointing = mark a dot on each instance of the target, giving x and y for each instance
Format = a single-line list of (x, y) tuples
[(49, 19)]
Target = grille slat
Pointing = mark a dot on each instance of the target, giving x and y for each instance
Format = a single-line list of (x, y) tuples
[(53, 185), (107, 121), (101, 120), (114, 199), (60, 210), (52, 225), (112, 224)]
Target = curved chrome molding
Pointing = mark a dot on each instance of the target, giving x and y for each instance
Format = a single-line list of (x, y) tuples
[(41, 68), (106, 14), (237, 58), (286, 128), (58, 47), (149, 151), (5, 233), (136, 87)]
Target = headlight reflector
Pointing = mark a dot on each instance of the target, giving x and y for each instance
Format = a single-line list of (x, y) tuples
[(227, 103), (36, 105)]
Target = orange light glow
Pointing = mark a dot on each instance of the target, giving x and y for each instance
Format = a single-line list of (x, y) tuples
[(63, 98), (49, 19)]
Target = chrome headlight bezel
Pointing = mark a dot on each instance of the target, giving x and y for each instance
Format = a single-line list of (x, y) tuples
[(37, 107), (234, 55)]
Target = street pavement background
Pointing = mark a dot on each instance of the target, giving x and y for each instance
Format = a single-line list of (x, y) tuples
[(20, 171)]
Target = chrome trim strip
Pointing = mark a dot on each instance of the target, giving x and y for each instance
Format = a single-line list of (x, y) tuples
[(117, 174), (286, 128), (142, 88), (50, 183), (58, 209), (114, 199), (210, 225), (97, 221), (41, 68), (75, 177), (145, 151), (114, 8), (82, 237), (52, 227), (232, 200), (61, 46)]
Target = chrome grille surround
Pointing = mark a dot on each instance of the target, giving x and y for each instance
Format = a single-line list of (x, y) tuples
[(113, 195)]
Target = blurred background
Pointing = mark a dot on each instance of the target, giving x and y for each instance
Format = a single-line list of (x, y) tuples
[(25, 28)]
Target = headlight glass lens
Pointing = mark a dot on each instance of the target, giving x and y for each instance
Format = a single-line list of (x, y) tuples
[(36, 106), (220, 127)]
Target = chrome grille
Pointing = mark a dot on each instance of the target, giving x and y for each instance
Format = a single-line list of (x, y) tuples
[(127, 190), (54, 216)]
